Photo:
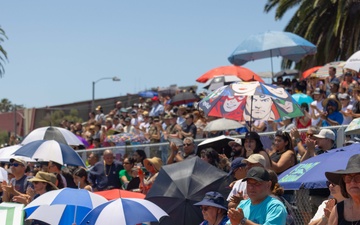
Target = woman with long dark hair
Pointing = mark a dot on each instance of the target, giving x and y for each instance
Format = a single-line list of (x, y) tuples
[(253, 145), (284, 157)]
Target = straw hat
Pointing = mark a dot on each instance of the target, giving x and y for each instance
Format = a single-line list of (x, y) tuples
[(45, 177), (334, 100), (155, 161)]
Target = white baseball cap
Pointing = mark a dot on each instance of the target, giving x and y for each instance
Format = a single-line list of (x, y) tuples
[(255, 158), (326, 133)]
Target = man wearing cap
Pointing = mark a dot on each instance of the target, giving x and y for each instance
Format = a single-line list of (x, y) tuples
[(100, 117), (157, 109), (260, 207), (325, 141), (346, 108), (19, 183), (239, 191), (331, 116), (316, 106), (237, 149)]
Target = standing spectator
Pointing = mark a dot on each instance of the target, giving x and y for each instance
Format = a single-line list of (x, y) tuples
[(157, 109), (316, 106), (260, 207), (200, 123), (100, 117), (177, 155), (346, 108), (105, 174), (189, 129)]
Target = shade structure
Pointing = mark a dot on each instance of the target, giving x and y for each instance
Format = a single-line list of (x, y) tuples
[(220, 144), (353, 62), (63, 206), (231, 70), (287, 72), (353, 127), (179, 186), (219, 81), (118, 193), (184, 98), (302, 98), (324, 70), (250, 101), (222, 124), (129, 211), (308, 72), (50, 150), (52, 133), (272, 44), (310, 174)]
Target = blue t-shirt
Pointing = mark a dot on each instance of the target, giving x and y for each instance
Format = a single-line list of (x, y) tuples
[(269, 211), (336, 116)]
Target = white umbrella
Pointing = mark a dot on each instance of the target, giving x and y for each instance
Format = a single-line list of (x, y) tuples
[(324, 71), (52, 133), (219, 81), (129, 211), (353, 127), (7, 153), (3, 175), (353, 62), (222, 124)]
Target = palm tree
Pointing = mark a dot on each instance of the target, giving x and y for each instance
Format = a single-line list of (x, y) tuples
[(3, 54), (330, 25)]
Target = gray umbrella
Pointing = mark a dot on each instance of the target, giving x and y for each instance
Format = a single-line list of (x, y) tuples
[(179, 186)]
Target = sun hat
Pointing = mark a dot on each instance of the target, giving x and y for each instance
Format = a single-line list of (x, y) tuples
[(155, 161), (255, 158), (317, 91), (99, 107), (236, 141), (214, 199), (236, 163), (326, 133), (353, 166), (344, 96), (332, 101), (252, 135), (155, 98), (19, 160), (257, 173), (44, 177)]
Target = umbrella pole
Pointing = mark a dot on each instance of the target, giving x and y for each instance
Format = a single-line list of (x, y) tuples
[(251, 105), (272, 69)]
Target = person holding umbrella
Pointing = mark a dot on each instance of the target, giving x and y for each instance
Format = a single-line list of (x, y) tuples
[(213, 209), (347, 211)]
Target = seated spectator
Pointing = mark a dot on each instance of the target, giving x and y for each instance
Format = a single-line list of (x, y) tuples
[(153, 165), (253, 145), (331, 116), (213, 208), (80, 179), (210, 156), (126, 174), (284, 157)]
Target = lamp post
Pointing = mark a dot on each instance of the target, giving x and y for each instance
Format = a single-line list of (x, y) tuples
[(93, 88)]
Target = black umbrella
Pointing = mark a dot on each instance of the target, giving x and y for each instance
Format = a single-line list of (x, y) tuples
[(184, 98), (179, 186), (220, 144)]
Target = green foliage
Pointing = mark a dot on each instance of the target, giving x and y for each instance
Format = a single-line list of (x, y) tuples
[(56, 117), (4, 137), (3, 53), (7, 106)]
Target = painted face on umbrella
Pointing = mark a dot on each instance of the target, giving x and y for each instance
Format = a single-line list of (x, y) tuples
[(261, 106), (276, 91), (231, 104), (241, 88), (287, 106)]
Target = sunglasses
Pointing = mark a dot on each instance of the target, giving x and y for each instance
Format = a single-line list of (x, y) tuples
[(309, 135), (328, 183), (348, 178), (204, 208), (14, 164), (187, 144), (36, 182)]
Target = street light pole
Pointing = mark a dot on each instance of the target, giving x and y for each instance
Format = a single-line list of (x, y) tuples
[(93, 88)]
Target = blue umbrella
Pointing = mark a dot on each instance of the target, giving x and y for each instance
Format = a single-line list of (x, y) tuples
[(147, 94), (50, 150), (310, 174), (269, 44), (302, 98)]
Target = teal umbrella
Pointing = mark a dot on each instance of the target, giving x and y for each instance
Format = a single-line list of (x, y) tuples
[(302, 98)]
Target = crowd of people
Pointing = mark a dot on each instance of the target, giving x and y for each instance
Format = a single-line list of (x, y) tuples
[(255, 160)]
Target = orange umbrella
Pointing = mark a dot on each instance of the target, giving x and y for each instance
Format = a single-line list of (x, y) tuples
[(308, 72), (241, 72), (118, 193)]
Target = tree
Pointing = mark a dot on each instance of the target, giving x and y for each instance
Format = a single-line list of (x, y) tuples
[(54, 118), (3, 54), (7, 106), (330, 24)]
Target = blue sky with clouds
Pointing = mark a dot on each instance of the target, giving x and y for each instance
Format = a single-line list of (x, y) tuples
[(57, 48)]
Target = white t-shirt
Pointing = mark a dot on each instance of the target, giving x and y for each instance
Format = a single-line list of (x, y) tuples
[(238, 186), (314, 122), (320, 212), (347, 119)]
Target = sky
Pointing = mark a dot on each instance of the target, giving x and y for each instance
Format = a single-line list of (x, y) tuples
[(56, 49)]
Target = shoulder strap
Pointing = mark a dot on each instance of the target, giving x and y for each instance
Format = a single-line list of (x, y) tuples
[(340, 211)]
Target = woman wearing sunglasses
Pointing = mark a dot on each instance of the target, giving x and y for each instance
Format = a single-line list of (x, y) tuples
[(322, 215), (213, 209), (347, 211)]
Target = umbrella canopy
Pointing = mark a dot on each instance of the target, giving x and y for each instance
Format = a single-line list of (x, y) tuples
[(118, 193), (147, 94), (178, 186), (270, 44), (184, 98), (302, 98), (287, 72), (11, 213), (308, 72), (7, 153), (324, 70), (239, 71), (310, 174), (45, 150), (353, 127), (3, 175), (63, 206), (251, 101), (220, 144), (129, 211), (52, 133), (353, 62), (219, 81), (222, 124)]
